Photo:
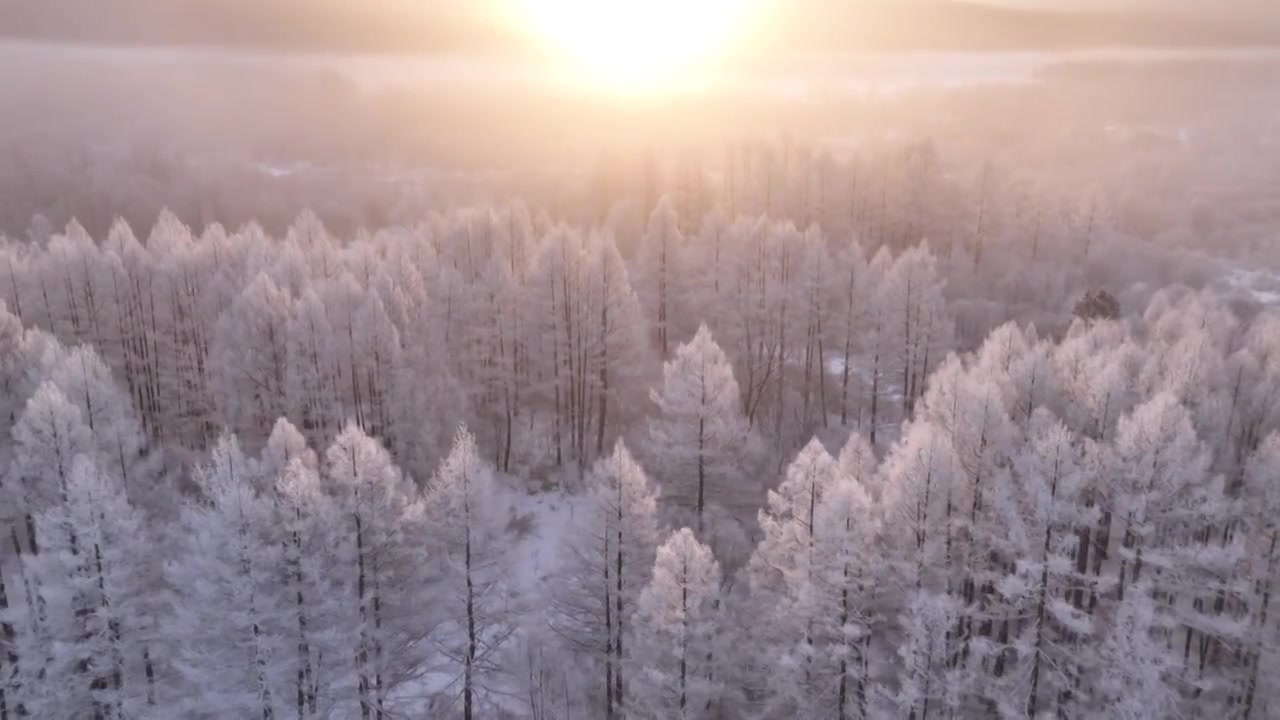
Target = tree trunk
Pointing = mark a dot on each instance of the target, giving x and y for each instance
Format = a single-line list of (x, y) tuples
[(9, 665), (1256, 659), (617, 599), (468, 680)]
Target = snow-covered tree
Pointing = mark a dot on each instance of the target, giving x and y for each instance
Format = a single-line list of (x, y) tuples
[(92, 601), (121, 445), (784, 555), (675, 630), (250, 354), (1040, 635), (602, 571), (1263, 568), (849, 566), (917, 315), (699, 434), (284, 445), (927, 680), (1134, 668), (314, 611), (47, 438), (477, 613), (225, 619), (661, 251), (383, 566), (1161, 485), (310, 377)]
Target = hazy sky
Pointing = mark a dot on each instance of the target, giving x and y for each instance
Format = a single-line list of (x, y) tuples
[(408, 25)]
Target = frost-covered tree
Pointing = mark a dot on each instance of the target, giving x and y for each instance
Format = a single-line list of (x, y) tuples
[(780, 573), (477, 613), (310, 377), (1133, 663), (225, 619), (788, 521), (1162, 485), (92, 588), (313, 610), (855, 313), (250, 358), (675, 629), (857, 459), (699, 434), (879, 341), (921, 502), (11, 341), (916, 314), (817, 643), (1040, 635), (284, 445), (661, 251), (121, 444), (603, 570), (47, 438), (383, 564), (927, 680), (1263, 568), (619, 353), (849, 566)]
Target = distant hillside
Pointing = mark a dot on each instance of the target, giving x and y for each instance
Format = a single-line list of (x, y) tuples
[(476, 26)]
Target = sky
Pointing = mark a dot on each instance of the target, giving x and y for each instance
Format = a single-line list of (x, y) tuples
[(482, 25)]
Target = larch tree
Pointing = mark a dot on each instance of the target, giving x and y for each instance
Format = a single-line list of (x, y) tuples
[(92, 596), (1162, 475), (619, 353), (313, 608), (383, 566), (879, 342), (380, 360), (847, 567), (311, 377), (284, 445), (811, 575), (855, 311), (1041, 636), (559, 346), (225, 616), (780, 573), (1262, 650), (121, 444), (921, 500), (916, 315), (660, 253), (11, 341), (477, 620), (603, 570), (1133, 663), (699, 433), (250, 351), (927, 683), (47, 438), (857, 459), (675, 630)]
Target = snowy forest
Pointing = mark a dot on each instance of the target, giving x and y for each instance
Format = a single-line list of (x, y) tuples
[(716, 455)]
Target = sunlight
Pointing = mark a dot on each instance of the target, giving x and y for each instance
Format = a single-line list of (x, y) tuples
[(637, 46)]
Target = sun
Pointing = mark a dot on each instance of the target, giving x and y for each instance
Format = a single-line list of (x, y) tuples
[(637, 45)]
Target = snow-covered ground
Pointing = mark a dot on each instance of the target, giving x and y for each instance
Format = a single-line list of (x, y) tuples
[(1261, 285), (538, 523)]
